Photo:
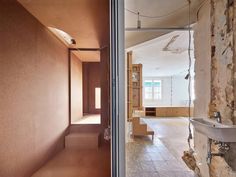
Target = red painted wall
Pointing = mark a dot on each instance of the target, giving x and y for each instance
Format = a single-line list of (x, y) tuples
[(33, 92)]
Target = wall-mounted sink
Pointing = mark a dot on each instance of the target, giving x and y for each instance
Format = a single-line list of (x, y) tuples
[(215, 130)]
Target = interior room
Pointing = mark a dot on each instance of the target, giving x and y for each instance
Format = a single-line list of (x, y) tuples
[(117, 88), (158, 143), (158, 98), (164, 66)]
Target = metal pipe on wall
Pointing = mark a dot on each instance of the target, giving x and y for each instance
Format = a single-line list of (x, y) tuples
[(87, 49), (157, 29)]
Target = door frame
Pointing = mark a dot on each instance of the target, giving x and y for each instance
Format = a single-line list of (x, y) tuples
[(117, 73)]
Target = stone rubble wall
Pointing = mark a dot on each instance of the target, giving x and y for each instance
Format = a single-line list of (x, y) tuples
[(222, 83)]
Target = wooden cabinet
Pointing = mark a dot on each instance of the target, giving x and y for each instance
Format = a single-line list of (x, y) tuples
[(134, 86), (168, 111), (150, 111), (137, 86), (173, 111)]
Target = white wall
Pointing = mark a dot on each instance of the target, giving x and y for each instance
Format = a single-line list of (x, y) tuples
[(179, 89), (202, 44)]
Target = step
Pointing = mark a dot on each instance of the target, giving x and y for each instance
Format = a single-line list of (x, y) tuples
[(82, 140), (150, 131), (142, 122)]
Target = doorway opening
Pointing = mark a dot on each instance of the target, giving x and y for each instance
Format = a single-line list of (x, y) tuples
[(90, 93), (158, 105)]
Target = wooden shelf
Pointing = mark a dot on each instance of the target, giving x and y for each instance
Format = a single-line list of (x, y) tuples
[(150, 111), (134, 77)]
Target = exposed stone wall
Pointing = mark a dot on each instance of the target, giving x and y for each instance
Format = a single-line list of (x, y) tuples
[(222, 72), (221, 81), (222, 65)]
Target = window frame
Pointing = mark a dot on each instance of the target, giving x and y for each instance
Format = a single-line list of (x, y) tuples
[(153, 79)]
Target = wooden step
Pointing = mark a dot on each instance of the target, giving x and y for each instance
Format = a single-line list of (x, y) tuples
[(142, 122), (140, 128), (150, 130), (82, 140)]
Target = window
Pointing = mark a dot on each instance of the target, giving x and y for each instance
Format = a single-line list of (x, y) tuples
[(98, 98), (152, 89)]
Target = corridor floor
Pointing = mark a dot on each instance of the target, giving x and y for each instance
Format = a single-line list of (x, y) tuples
[(162, 157), (78, 163), (89, 119)]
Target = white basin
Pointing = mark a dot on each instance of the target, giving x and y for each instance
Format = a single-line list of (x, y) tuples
[(215, 130)]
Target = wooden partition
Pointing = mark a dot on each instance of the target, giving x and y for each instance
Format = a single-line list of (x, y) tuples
[(137, 86), (129, 85)]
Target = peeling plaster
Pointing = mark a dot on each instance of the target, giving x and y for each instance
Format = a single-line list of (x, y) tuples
[(222, 80), (222, 76)]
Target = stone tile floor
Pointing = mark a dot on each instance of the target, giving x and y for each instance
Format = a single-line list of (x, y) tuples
[(161, 157)]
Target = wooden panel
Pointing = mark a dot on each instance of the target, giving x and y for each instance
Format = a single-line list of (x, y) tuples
[(172, 111), (91, 80), (137, 85), (105, 88), (34, 92), (76, 89), (136, 98), (129, 84), (85, 79)]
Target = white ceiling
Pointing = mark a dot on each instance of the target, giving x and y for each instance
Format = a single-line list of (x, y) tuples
[(164, 56), (157, 8)]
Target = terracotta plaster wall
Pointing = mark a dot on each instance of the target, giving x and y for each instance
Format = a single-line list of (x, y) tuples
[(33, 92), (76, 89)]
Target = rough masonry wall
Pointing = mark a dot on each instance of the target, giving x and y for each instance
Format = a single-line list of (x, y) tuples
[(222, 72), (221, 23), (222, 97)]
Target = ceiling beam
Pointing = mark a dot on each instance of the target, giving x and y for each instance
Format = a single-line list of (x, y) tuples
[(157, 29)]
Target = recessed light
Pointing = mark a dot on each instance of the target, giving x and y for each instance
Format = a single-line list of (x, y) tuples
[(63, 35)]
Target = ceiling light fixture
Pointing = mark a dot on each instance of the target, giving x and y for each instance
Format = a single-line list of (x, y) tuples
[(138, 22), (169, 29), (63, 35)]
